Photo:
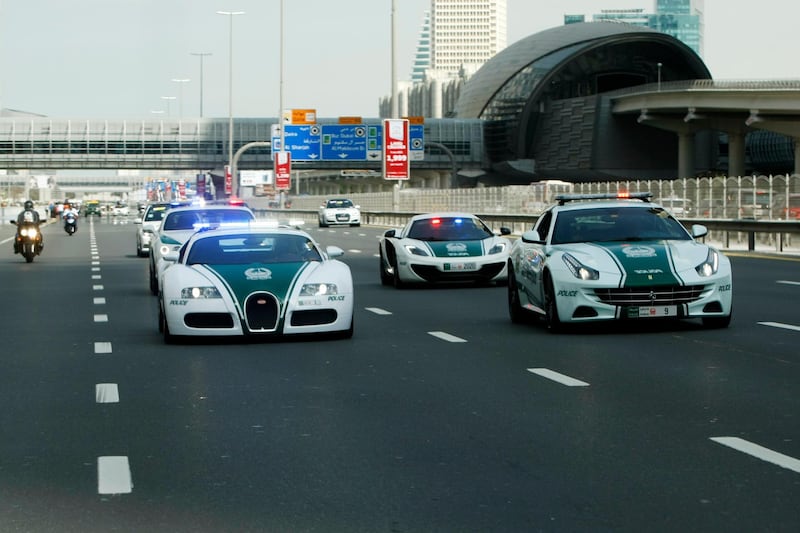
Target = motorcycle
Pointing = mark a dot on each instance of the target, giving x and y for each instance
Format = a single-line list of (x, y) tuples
[(70, 224), (28, 240)]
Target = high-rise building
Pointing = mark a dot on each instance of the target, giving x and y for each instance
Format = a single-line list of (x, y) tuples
[(683, 19), (456, 38), (460, 34)]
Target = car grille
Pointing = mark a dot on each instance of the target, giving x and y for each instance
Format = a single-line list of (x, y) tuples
[(648, 296), (261, 312), (433, 274), (342, 217)]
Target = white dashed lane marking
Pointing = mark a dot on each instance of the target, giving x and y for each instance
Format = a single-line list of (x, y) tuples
[(786, 282), (102, 347), (114, 475), (106, 393), (378, 311), (780, 325), (765, 454), (557, 377), (446, 336)]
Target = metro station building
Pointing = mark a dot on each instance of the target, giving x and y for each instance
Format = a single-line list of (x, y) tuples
[(606, 100)]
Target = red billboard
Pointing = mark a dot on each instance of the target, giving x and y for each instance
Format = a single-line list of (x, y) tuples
[(283, 171), (396, 165)]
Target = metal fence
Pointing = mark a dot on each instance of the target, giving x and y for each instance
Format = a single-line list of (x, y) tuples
[(749, 197)]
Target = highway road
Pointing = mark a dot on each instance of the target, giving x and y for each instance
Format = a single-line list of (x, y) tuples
[(438, 415)]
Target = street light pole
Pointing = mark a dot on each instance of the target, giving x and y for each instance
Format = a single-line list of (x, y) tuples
[(201, 55), (230, 15), (180, 82), (659, 75)]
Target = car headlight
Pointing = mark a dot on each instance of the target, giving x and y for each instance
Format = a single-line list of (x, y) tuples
[(710, 266), (497, 248), (318, 289), (416, 250), (200, 293), (579, 270)]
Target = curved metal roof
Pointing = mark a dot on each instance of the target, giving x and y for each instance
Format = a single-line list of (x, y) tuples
[(491, 77)]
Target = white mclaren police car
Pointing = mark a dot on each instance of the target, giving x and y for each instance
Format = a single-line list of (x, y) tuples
[(443, 247), (602, 257), (179, 223), (255, 281)]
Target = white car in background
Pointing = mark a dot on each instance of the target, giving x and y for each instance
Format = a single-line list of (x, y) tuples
[(339, 211)]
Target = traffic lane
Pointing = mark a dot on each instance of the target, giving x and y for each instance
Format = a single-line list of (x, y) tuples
[(49, 446), (710, 397), (305, 372)]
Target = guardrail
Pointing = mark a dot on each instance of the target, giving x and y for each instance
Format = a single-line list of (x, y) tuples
[(776, 233)]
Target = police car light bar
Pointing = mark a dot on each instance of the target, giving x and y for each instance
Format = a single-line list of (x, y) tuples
[(643, 196)]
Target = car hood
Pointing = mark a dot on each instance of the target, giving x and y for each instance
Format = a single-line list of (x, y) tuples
[(242, 280), (641, 262)]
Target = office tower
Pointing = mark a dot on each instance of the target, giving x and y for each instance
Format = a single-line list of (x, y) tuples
[(464, 34), (683, 19)]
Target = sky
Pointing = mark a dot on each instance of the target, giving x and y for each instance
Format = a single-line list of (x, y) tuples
[(117, 58)]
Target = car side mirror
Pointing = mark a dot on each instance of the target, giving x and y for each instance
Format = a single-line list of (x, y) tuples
[(532, 236), (698, 230), (171, 256), (389, 233), (505, 231), (334, 251)]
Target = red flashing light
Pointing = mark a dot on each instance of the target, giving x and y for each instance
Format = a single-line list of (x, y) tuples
[(235, 201), (436, 221), (623, 194)]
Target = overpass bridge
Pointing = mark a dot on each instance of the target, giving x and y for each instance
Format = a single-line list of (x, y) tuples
[(201, 145), (454, 148)]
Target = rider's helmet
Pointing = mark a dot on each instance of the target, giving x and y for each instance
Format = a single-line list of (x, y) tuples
[(28, 205)]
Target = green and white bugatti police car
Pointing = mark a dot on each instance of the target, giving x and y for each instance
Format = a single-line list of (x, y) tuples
[(255, 281)]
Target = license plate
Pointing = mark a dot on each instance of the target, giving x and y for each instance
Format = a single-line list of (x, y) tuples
[(458, 267), (653, 312)]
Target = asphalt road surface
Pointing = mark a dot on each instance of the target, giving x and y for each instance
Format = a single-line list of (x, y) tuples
[(438, 415)]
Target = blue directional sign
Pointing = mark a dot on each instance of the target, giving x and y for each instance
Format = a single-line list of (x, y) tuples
[(341, 142), (344, 142), (302, 140)]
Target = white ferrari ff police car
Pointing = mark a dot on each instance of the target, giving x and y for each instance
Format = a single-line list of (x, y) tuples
[(600, 257), (442, 247), (179, 223), (255, 281)]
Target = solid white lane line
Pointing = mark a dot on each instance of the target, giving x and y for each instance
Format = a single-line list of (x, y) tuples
[(781, 326), (559, 378), (787, 282), (759, 452), (101, 318), (102, 347), (378, 311), (446, 336), (114, 475), (99, 301), (106, 393)]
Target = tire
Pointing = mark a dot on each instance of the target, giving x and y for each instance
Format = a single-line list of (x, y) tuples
[(153, 281), (386, 278), (396, 281), (718, 322), (29, 252), (554, 324), (517, 313)]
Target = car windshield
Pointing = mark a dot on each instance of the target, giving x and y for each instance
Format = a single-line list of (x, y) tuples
[(252, 248), (616, 224), (185, 220), (155, 213), (449, 229), (333, 204)]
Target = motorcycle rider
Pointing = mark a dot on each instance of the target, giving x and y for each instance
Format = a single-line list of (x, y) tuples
[(27, 215), (69, 210)]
